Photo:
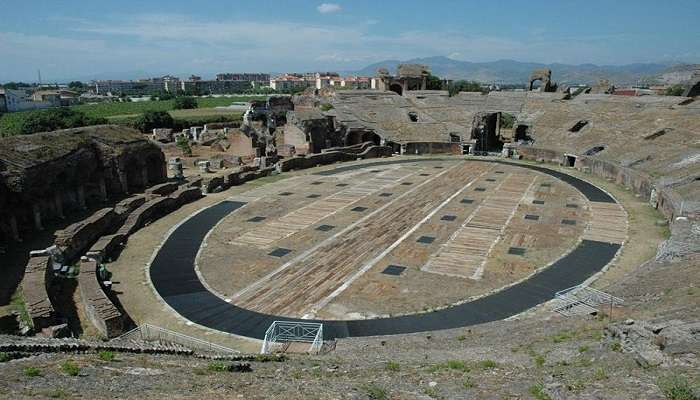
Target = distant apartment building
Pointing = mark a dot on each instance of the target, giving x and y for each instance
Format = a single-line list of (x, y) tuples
[(244, 76), (199, 86), (348, 82), (292, 82), (119, 87), (171, 84)]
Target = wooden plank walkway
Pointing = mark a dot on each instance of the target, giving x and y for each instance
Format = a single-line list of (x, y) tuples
[(465, 253), (302, 218), (311, 279), (608, 223)]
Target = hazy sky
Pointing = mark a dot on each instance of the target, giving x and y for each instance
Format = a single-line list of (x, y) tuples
[(79, 38)]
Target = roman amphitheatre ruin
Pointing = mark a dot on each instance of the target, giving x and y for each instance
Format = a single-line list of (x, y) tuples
[(399, 224)]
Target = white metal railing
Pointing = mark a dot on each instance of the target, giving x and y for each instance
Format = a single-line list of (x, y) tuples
[(583, 299), (286, 332), (149, 333)]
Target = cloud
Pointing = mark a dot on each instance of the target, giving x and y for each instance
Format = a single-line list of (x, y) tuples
[(327, 8), (182, 44)]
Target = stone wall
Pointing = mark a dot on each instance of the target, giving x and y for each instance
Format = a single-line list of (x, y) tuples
[(103, 314), (36, 297), (78, 237), (332, 157), (433, 148), (665, 199)]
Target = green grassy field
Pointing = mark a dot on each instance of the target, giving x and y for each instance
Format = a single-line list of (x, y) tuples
[(129, 109)]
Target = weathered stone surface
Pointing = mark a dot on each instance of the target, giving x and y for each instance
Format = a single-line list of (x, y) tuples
[(103, 314), (76, 238), (36, 297)]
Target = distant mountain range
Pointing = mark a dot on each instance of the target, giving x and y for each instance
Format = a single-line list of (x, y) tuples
[(509, 71)]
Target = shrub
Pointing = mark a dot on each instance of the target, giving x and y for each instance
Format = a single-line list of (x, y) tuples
[(153, 119), (184, 146), (31, 371), (457, 365), (28, 122), (69, 368), (106, 356), (674, 90), (326, 107), (184, 103), (676, 387), (4, 357), (392, 366), (583, 349), (375, 392)]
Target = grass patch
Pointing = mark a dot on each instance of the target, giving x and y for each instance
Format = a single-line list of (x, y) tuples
[(17, 303), (582, 349), (468, 383), (461, 338), (487, 364), (106, 356), (269, 358), (599, 374), (375, 392), (392, 366), (431, 392), (5, 357), (676, 387), (539, 360), (58, 394), (458, 365), (228, 367), (537, 391), (562, 336), (31, 372), (70, 368), (616, 345)]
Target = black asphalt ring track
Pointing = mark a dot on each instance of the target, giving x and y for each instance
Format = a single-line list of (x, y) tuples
[(173, 275)]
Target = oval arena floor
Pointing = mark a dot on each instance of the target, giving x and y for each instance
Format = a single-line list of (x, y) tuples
[(388, 247)]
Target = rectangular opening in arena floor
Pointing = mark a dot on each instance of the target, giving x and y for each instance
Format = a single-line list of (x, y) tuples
[(287, 336)]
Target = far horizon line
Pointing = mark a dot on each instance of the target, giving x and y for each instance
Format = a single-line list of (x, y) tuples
[(147, 75)]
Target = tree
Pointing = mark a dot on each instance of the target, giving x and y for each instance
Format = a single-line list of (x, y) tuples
[(165, 96), (434, 83), (464, 86), (15, 85), (76, 85), (184, 103), (184, 146), (674, 90), (149, 120), (27, 122)]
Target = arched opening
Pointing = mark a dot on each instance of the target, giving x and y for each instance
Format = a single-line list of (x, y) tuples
[(353, 138), (154, 169), (485, 132), (396, 88), (522, 133), (371, 137), (134, 177), (535, 84)]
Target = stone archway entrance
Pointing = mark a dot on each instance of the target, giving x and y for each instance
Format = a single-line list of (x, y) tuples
[(396, 88)]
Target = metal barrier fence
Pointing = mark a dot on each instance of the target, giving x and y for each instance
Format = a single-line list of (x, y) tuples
[(150, 333), (300, 332), (581, 299)]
